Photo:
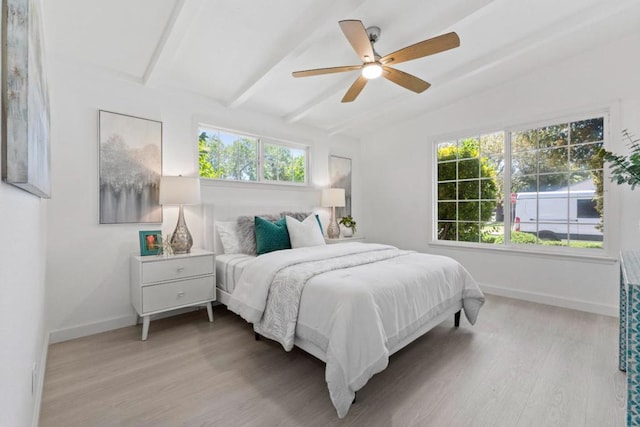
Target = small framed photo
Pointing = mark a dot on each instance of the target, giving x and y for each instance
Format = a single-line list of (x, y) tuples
[(150, 242)]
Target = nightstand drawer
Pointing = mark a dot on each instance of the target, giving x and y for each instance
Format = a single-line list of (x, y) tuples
[(179, 268), (176, 294)]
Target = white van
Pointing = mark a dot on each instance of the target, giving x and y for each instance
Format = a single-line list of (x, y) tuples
[(558, 215)]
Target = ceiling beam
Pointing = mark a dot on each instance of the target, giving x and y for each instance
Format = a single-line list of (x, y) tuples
[(296, 40), (178, 24), (330, 92), (547, 35)]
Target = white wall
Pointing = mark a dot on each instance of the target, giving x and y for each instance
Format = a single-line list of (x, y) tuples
[(22, 289), (399, 201), (88, 274)]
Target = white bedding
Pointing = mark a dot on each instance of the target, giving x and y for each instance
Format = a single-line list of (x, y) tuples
[(229, 268), (357, 302)]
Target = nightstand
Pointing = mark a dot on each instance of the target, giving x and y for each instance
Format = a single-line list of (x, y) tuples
[(344, 239), (164, 283)]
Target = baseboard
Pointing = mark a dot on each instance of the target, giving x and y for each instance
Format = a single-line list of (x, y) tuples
[(79, 331), (40, 386), (574, 304), (92, 328)]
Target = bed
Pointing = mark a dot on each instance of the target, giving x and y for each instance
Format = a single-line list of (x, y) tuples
[(350, 305)]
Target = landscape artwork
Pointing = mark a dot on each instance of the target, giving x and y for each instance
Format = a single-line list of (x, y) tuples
[(130, 169), (25, 138), (340, 177)]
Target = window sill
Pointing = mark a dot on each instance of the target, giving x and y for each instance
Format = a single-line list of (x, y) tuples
[(209, 182), (546, 252)]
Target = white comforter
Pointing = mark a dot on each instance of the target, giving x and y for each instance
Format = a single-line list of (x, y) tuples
[(354, 301)]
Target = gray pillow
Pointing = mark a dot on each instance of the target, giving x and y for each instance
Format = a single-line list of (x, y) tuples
[(247, 232), (300, 216)]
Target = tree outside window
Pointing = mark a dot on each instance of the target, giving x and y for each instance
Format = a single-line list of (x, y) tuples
[(556, 176), (234, 157)]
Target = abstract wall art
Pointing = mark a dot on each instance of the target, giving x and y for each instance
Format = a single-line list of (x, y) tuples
[(130, 169), (340, 177), (25, 132)]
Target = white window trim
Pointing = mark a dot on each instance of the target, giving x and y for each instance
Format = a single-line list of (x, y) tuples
[(598, 255), (260, 164)]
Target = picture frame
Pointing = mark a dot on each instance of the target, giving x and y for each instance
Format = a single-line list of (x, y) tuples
[(26, 158), (130, 168), (150, 242), (340, 177)]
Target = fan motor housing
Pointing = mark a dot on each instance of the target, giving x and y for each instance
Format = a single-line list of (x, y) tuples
[(373, 33)]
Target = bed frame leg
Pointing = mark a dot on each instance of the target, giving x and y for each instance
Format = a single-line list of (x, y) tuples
[(456, 319), (257, 335)]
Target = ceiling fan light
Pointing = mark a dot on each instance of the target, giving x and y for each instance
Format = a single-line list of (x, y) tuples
[(372, 70)]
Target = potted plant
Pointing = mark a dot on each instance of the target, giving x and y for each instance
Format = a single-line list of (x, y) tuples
[(625, 169), (349, 226)]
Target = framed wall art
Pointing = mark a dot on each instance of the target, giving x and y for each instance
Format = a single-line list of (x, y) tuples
[(130, 169), (340, 177), (26, 119)]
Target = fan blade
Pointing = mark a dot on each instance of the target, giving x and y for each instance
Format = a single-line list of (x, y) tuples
[(355, 89), (405, 80), (424, 48), (359, 39), (330, 70)]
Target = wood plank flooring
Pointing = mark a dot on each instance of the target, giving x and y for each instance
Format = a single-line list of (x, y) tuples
[(522, 364)]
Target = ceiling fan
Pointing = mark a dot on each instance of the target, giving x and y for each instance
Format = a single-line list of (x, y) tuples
[(374, 65)]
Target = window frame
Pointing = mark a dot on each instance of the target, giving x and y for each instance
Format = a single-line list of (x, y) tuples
[(508, 245), (261, 141)]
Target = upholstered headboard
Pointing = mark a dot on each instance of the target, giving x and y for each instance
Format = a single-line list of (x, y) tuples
[(226, 212)]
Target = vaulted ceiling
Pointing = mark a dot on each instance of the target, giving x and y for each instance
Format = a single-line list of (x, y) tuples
[(241, 53)]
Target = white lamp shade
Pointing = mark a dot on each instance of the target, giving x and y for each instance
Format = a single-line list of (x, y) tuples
[(333, 197), (179, 190)]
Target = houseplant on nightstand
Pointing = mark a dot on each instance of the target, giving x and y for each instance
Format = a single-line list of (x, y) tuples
[(349, 226)]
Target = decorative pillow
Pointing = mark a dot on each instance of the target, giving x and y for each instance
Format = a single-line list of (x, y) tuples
[(305, 233), (228, 232), (271, 236), (320, 225), (247, 232), (301, 216)]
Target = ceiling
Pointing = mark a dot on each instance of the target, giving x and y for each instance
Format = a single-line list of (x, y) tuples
[(241, 53)]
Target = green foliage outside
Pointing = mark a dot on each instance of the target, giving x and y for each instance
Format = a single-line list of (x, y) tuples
[(238, 159), (562, 155), (543, 159), (280, 164), (554, 157), (518, 237), (530, 239), (476, 195)]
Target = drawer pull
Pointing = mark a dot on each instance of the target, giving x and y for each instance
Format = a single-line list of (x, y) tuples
[(179, 269), (180, 294)]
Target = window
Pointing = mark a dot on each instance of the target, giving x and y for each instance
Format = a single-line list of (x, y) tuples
[(284, 164), (468, 182), (554, 186), (235, 157)]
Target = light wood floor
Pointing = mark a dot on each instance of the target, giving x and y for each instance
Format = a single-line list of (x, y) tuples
[(522, 364)]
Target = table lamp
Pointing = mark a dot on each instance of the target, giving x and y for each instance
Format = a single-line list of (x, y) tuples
[(333, 198), (180, 190)]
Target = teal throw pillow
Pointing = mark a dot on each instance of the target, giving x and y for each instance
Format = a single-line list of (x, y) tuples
[(319, 224), (271, 236)]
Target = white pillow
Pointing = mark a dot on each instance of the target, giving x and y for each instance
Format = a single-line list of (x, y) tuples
[(305, 233), (228, 232)]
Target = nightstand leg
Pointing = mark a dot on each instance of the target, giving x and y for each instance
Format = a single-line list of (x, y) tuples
[(210, 311), (145, 327)]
